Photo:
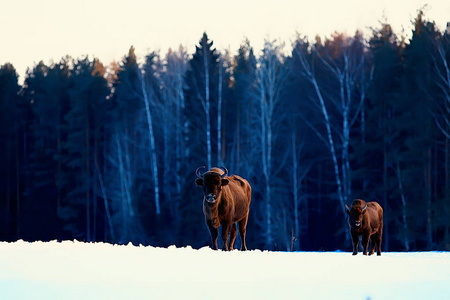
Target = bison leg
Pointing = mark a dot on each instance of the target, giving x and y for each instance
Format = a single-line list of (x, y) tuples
[(232, 235), (355, 242), (379, 246), (225, 233), (376, 239), (380, 232), (373, 241), (242, 232), (365, 242), (214, 234)]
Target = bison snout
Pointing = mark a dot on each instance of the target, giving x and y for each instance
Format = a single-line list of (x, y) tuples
[(210, 198), (357, 223)]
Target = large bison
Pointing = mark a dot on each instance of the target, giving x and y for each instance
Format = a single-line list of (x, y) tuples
[(226, 201), (365, 219)]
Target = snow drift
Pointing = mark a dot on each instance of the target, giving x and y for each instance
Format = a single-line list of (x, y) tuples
[(76, 270)]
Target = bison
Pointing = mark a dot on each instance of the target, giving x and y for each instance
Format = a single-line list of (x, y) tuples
[(226, 201), (366, 219)]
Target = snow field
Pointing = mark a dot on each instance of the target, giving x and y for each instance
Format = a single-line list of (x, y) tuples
[(76, 270)]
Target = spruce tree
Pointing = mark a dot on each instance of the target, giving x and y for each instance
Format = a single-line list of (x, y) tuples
[(128, 166), (12, 116), (419, 154), (374, 166), (244, 94), (83, 149), (201, 103), (45, 89), (201, 96)]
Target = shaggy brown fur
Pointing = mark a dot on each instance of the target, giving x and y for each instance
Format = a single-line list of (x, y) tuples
[(226, 202), (365, 219)]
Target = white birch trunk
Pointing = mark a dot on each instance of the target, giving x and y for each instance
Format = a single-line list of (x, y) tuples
[(346, 86), (271, 78), (295, 189), (86, 155), (442, 120), (105, 201), (177, 72), (329, 137), (179, 134), (152, 143), (207, 107), (442, 71), (343, 170), (167, 159), (127, 208), (181, 131), (347, 101), (16, 135), (447, 195), (219, 117), (404, 219), (428, 193), (330, 142), (265, 166)]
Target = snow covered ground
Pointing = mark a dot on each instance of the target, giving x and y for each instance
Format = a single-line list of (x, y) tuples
[(75, 270)]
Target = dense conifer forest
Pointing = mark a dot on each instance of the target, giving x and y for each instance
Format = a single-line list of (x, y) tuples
[(98, 152)]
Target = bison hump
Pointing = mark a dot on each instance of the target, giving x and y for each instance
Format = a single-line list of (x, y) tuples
[(239, 180)]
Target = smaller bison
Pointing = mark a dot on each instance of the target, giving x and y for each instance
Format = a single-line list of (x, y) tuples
[(226, 201), (366, 219)]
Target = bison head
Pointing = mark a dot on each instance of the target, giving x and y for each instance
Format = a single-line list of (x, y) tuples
[(356, 213), (212, 182)]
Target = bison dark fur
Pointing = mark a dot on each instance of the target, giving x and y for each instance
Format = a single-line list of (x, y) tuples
[(365, 219), (226, 201)]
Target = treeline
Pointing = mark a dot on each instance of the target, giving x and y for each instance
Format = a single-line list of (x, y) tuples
[(109, 154)]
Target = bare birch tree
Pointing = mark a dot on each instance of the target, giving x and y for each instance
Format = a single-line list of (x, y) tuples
[(299, 172), (206, 102), (120, 186), (441, 66), (271, 76), (219, 112), (349, 76), (403, 198), (442, 72), (175, 128), (146, 94)]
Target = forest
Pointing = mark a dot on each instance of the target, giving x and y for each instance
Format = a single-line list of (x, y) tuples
[(108, 153)]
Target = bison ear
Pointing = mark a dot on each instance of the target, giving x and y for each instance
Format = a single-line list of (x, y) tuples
[(199, 181), (347, 210), (225, 181)]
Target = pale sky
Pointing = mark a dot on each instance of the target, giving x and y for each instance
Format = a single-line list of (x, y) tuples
[(34, 30)]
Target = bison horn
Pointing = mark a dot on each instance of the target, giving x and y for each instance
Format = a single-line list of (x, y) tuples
[(364, 208), (225, 172), (197, 172)]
